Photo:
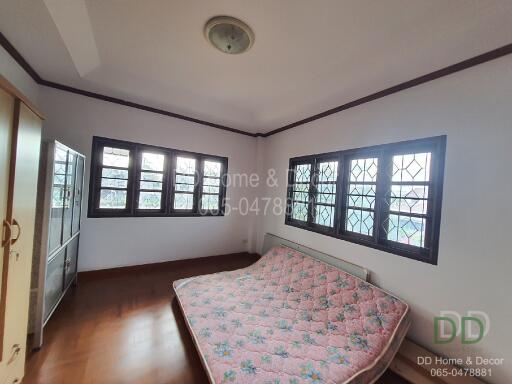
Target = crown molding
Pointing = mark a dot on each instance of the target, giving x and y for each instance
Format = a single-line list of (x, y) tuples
[(465, 64)]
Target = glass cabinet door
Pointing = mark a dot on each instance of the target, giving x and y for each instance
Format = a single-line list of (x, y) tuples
[(77, 195), (68, 197), (57, 203)]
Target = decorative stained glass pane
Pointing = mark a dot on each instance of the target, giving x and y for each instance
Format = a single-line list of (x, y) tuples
[(210, 202), (150, 200), (411, 167), (300, 196), (212, 168), (300, 211), (152, 161), (406, 229), (183, 201), (185, 165), (116, 157), (112, 199)]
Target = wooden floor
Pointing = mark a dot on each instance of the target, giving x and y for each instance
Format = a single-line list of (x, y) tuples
[(124, 327)]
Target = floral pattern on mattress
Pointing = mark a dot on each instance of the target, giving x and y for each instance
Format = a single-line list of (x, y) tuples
[(288, 319)]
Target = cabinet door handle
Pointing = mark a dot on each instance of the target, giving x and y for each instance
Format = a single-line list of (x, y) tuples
[(14, 222), (6, 233)]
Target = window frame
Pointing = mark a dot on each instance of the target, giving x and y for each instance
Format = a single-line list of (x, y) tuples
[(134, 173), (384, 153)]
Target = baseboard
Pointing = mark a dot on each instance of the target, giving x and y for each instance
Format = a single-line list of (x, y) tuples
[(112, 272)]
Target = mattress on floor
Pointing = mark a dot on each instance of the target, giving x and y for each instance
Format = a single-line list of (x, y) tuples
[(290, 319)]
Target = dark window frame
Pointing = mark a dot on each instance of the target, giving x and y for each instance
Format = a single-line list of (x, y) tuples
[(134, 171), (384, 153)]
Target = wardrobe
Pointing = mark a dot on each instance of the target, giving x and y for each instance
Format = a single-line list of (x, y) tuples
[(20, 142), (59, 208)]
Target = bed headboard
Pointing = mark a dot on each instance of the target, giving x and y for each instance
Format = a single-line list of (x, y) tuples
[(271, 241)]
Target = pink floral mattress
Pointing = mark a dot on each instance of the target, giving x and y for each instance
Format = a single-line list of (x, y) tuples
[(291, 319)]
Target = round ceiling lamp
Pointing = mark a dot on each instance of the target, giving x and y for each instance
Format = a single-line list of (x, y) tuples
[(228, 34)]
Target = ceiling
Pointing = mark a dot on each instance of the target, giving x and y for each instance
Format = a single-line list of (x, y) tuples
[(308, 56)]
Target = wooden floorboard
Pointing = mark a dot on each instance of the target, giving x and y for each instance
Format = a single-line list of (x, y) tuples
[(122, 326)]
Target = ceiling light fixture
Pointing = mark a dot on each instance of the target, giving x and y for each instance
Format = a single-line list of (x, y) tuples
[(228, 34)]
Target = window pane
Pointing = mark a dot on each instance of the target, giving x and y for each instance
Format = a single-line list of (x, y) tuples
[(300, 211), (212, 168), (184, 187), (151, 185), (210, 189), (114, 173), (112, 199), (328, 171), (300, 196), (412, 167), (152, 161), (210, 181), (302, 173), (359, 221), (409, 199), (364, 170), (406, 230), (210, 202), (325, 215), (185, 179), (150, 200), (114, 183), (185, 165), (150, 176), (183, 201), (116, 157)]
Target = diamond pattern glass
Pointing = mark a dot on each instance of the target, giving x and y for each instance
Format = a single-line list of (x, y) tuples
[(210, 197), (325, 199), (408, 199), (362, 185), (300, 192), (114, 178)]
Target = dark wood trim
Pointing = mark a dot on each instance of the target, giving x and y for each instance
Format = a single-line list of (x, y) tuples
[(142, 107), (7, 86), (145, 268), (480, 59), (465, 64)]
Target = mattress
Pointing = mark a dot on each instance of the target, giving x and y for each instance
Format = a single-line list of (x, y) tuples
[(291, 319)]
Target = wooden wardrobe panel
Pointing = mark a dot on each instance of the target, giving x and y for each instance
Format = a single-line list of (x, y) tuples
[(27, 144), (6, 125)]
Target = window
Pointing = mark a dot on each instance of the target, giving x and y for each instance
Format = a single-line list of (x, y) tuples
[(131, 179), (386, 197)]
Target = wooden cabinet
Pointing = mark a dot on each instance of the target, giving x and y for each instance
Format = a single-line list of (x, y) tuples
[(20, 142), (59, 211)]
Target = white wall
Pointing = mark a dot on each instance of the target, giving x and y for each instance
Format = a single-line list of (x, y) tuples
[(474, 108), (113, 242), (18, 77)]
